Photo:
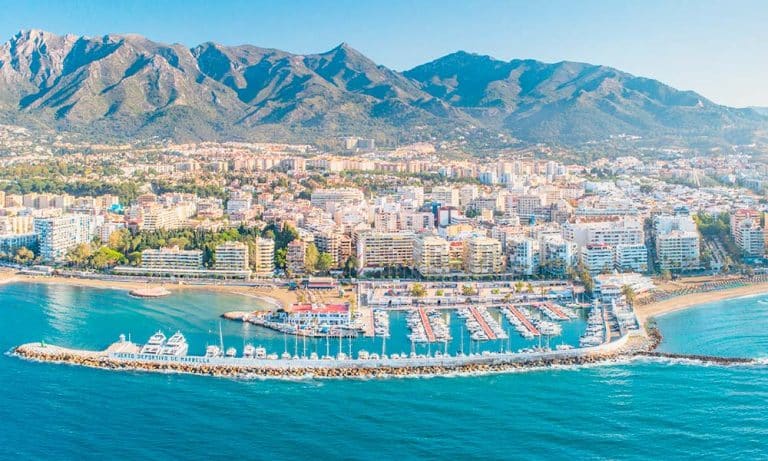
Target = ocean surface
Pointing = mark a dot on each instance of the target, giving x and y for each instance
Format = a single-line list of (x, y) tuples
[(638, 410)]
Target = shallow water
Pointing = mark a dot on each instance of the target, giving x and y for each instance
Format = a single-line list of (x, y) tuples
[(638, 410)]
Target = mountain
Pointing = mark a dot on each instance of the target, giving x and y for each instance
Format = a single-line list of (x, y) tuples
[(120, 86)]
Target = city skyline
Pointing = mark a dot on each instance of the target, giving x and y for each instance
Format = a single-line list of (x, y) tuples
[(708, 47)]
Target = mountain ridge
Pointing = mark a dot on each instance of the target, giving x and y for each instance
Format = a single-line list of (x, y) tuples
[(126, 85)]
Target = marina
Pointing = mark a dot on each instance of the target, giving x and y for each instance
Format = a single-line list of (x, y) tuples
[(521, 322)]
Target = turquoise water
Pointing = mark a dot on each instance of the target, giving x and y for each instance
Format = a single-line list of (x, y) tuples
[(638, 410)]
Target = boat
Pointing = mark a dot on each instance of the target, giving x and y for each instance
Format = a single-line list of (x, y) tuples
[(260, 353), (249, 351), (363, 355), (231, 352), (154, 345), (213, 351), (176, 346)]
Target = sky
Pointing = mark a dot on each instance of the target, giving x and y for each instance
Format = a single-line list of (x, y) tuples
[(717, 48)]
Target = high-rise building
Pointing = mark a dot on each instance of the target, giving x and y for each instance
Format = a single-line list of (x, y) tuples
[(431, 256), (382, 249), (296, 254), (232, 256), (171, 259), (677, 242), (482, 255), (57, 235), (263, 257)]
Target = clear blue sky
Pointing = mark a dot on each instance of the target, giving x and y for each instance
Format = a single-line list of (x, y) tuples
[(717, 48)]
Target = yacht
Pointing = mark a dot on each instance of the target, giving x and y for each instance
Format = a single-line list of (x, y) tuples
[(363, 355), (176, 345), (154, 345), (260, 352), (231, 352), (212, 351), (249, 351)]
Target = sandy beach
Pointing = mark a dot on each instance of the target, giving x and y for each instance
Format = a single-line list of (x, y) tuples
[(690, 300), (277, 296)]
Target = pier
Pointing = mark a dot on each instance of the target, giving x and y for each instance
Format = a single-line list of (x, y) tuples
[(483, 324), (555, 313), (524, 321), (427, 326)]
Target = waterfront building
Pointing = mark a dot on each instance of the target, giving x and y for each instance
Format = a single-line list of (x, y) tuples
[(232, 256), (482, 256), (446, 196), (263, 257), (750, 238), (431, 256), (556, 255), (597, 258), (296, 254), (631, 257), (523, 255), (59, 234), (677, 242), (385, 249), (171, 259), (10, 243)]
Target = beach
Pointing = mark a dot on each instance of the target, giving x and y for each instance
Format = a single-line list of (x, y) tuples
[(677, 303), (280, 297)]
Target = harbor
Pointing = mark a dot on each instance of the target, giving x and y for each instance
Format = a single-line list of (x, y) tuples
[(611, 331)]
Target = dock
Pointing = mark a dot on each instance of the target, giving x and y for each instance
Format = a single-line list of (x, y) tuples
[(557, 311), (523, 320), (483, 324), (427, 326)]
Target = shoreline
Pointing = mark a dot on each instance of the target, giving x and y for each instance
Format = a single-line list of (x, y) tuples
[(279, 297), (693, 300)]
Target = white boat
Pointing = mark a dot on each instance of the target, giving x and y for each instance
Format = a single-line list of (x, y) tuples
[(213, 351), (176, 345), (363, 355), (154, 344), (260, 353), (249, 351), (231, 352)]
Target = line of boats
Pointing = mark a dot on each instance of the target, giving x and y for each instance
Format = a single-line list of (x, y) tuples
[(481, 324), (595, 333), (381, 323), (428, 325)]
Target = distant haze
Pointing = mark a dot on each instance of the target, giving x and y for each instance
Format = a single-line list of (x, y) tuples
[(714, 48)]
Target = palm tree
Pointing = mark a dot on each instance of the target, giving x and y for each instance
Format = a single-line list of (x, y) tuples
[(519, 286), (629, 294)]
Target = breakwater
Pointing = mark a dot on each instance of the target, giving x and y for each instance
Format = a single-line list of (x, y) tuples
[(349, 368)]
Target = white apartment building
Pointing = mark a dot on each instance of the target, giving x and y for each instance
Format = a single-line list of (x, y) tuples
[(677, 242), (597, 258), (322, 198), (557, 254), (482, 256), (431, 256), (173, 258), (57, 235), (750, 239), (445, 195), (264, 257), (382, 249), (232, 256), (523, 254), (631, 258)]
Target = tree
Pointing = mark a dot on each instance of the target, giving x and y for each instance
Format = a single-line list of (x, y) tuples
[(134, 258), (629, 294), (519, 286), (281, 258), (79, 254), (324, 262), (666, 275), (24, 255), (311, 257), (418, 290), (120, 240), (107, 257), (181, 242)]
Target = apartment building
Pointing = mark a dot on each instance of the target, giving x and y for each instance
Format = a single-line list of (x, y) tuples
[(482, 256), (382, 249), (431, 256), (232, 256)]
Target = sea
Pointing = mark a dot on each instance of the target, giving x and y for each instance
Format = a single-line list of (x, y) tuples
[(640, 409)]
